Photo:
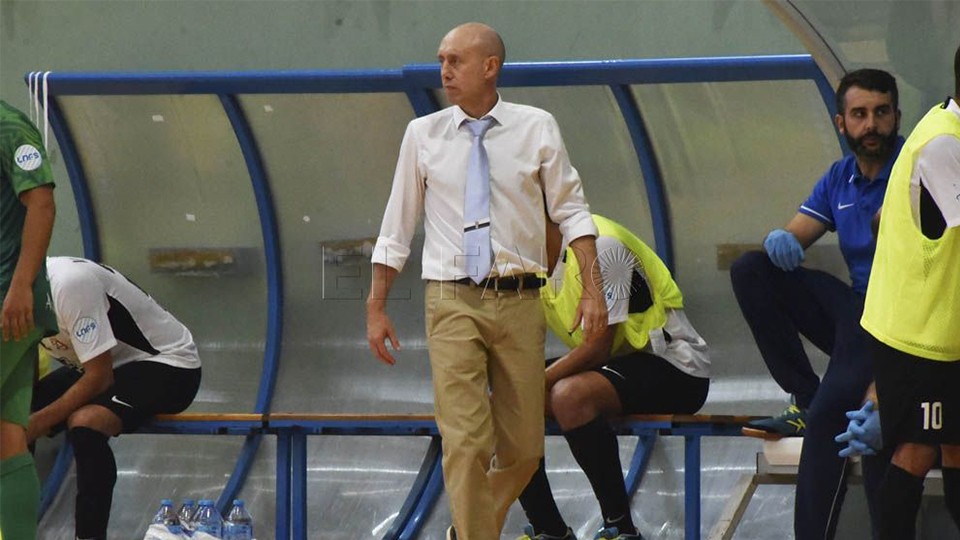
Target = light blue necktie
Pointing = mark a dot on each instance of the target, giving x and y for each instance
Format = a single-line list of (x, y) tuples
[(476, 206)]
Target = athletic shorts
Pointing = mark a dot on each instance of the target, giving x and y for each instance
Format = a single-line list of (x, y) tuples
[(140, 391), (919, 398), (648, 384), (18, 360)]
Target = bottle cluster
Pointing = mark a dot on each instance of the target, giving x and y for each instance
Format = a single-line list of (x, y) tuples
[(200, 521)]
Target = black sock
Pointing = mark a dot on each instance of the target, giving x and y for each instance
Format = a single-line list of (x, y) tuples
[(96, 476), (899, 502), (540, 507), (594, 446), (951, 492)]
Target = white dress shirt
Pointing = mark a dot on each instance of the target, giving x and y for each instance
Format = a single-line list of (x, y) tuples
[(528, 165)]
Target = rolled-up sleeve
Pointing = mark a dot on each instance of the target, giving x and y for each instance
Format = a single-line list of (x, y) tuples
[(404, 207), (566, 203)]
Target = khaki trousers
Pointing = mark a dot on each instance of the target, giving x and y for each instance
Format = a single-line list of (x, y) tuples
[(487, 360)]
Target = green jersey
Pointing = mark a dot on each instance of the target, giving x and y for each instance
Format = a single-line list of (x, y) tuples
[(23, 166)]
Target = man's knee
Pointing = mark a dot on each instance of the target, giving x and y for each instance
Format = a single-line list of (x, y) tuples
[(748, 265), (97, 418), (951, 455), (916, 459), (571, 404)]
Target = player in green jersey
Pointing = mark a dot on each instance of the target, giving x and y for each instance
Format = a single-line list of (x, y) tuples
[(27, 212)]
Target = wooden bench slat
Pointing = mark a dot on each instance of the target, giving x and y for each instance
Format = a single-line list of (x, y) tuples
[(410, 417)]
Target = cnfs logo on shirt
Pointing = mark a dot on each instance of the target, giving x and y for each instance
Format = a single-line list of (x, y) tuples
[(85, 330), (27, 157)]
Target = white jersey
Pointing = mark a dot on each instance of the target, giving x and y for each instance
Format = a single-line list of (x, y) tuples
[(100, 310)]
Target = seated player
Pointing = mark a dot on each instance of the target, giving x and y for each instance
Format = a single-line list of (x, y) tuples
[(649, 360), (127, 359)]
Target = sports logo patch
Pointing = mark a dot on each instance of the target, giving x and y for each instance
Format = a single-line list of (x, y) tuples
[(27, 157), (85, 330)]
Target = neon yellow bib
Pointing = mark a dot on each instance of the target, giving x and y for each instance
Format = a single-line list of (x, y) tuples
[(560, 306), (913, 298)]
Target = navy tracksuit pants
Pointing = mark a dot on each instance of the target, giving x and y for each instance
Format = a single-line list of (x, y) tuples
[(780, 306)]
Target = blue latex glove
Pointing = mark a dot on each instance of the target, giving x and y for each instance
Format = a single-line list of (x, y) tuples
[(784, 249), (863, 435)]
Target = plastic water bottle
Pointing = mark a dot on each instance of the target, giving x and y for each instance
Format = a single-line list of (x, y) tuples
[(166, 522), (207, 523), (239, 524), (187, 509)]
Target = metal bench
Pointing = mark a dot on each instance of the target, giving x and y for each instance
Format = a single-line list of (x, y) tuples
[(292, 429)]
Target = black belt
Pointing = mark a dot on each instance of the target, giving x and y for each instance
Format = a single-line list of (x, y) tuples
[(509, 283)]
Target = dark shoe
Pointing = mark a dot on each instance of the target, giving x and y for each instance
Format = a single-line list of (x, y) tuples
[(612, 533), (528, 535), (790, 423)]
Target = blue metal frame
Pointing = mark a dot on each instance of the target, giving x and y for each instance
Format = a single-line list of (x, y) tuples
[(418, 82), (86, 213), (284, 443), (652, 177), (91, 250), (61, 466), (639, 462), (431, 493), (409, 511), (273, 256)]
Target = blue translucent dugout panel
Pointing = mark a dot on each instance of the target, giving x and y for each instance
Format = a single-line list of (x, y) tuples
[(600, 148), (914, 40), (152, 467), (357, 485), (330, 160), (738, 159), (173, 202)]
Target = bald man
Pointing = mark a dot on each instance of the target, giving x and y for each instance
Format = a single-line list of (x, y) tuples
[(481, 172)]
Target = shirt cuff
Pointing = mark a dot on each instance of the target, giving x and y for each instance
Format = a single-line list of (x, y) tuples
[(389, 252), (807, 211), (577, 225)]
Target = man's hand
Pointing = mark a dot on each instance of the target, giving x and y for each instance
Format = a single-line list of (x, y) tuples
[(863, 435), (784, 249), (17, 315), (592, 314), (379, 328), (592, 309), (36, 428)]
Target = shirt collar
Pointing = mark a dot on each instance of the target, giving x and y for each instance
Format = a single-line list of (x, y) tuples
[(498, 113), (952, 106), (884, 173)]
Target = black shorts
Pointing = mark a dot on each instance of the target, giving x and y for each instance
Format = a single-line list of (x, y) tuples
[(919, 401), (648, 384), (140, 391)]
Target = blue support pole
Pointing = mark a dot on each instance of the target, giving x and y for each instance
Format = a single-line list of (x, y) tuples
[(652, 177), (638, 465), (298, 488), (409, 510), (86, 213), (691, 487), (423, 101), (91, 250), (59, 471), (282, 516), (428, 500), (271, 247)]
